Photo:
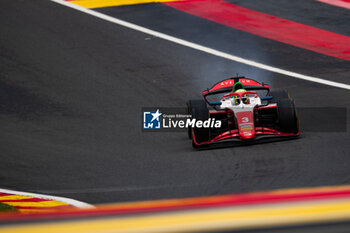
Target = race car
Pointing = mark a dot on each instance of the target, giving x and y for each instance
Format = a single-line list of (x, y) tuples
[(247, 112)]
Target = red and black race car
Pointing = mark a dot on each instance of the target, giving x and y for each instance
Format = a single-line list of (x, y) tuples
[(246, 111)]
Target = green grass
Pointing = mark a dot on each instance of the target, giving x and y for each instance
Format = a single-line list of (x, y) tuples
[(4, 207)]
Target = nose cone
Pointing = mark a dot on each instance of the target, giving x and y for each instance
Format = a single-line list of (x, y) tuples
[(247, 135), (245, 123)]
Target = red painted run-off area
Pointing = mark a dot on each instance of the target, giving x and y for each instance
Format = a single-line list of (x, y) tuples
[(268, 26), (339, 3)]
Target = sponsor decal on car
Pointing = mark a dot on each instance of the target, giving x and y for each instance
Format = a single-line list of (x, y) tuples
[(246, 128)]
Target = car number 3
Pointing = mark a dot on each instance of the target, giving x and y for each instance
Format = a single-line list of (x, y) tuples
[(245, 119)]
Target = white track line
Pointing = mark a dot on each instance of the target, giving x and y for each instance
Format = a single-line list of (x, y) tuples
[(202, 48), (69, 201)]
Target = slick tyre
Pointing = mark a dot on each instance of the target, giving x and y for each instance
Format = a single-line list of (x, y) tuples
[(199, 111), (189, 105), (278, 95), (287, 116)]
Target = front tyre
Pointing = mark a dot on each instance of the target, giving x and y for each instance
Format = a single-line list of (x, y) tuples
[(189, 105), (199, 111), (287, 116)]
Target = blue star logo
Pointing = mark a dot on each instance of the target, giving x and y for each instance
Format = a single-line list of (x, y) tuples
[(151, 120)]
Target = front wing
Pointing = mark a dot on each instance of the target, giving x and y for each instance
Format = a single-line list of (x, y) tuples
[(233, 137)]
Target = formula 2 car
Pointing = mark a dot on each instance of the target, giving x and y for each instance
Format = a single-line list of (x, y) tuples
[(248, 111)]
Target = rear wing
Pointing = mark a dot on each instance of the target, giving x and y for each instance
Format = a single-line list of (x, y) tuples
[(227, 86)]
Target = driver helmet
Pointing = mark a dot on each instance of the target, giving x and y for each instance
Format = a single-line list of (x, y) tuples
[(238, 87)]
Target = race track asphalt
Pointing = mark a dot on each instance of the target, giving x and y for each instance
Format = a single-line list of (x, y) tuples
[(72, 87)]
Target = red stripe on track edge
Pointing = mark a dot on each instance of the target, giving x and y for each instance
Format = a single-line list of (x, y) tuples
[(268, 26)]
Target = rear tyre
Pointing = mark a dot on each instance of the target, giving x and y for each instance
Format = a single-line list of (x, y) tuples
[(287, 116), (280, 94), (199, 111)]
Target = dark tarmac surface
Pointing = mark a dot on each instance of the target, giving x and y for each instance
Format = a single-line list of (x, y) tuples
[(72, 87)]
